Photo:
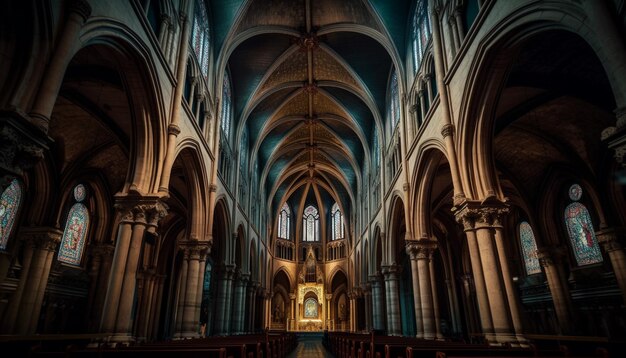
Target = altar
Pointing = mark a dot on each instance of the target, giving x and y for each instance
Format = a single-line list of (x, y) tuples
[(310, 307)]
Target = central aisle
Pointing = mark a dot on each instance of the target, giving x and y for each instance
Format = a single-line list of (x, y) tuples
[(310, 345)]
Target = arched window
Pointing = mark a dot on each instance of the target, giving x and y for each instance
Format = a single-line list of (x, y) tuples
[(311, 221), (76, 226), (337, 220), (529, 248), (9, 205), (283, 222), (580, 230), (226, 106), (394, 102), (421, 32), (200, 39)]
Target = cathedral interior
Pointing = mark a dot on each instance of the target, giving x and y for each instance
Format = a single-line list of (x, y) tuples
[(440, 170)]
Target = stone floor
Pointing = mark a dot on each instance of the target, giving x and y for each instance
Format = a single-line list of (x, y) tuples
[(310, 346)]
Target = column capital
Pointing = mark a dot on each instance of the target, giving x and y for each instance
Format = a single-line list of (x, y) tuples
[(243, 279), (473, 212), (375, 278), (292, 296), (44, 238), (548, 256), (447, 130), (329, 296), (392, 271), (139, 209), (22, 145), (421, 249), (102, 250), (609, 239)]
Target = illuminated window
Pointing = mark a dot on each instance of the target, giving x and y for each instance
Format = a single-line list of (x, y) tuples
[(283, 222), (310, 223), (529, 248), (337, 220), (200, 36), (394, 102), (421, 32), (580, 230), (226, 105), (76, 226), (10, 201)]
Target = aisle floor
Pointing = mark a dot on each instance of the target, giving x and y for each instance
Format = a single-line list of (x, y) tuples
[(310, 347)]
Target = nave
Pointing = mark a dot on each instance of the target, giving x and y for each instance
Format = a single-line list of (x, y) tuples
[(182, 172)]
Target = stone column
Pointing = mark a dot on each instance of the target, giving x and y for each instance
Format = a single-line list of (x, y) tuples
[(145, 285), (558, 289), (251, 317), (43, 241), (241, 282), (511, 291), (197, 253), (412, 249), (182, 289), (144, 212), (609, 241), (10, 313), (78, 12), (394, 325), (329, 300), (102, 257), (433, 284), (377, 302), (153, 326), (200, 284), (292, 321), (463, 216), (367, 294), (118, 266), (129, 281), (424, 257), (224, 280), (497, 296)]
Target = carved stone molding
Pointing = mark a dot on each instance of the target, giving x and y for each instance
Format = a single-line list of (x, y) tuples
[(473, 214), (309, 41), (447, 130), (80, 7), (609, 239), (421, 249), (43, 238), (21, 146)]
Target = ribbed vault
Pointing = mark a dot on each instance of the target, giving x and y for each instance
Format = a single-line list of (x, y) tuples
[(309, 83)]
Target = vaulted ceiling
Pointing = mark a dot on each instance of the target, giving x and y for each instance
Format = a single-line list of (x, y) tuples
[(309, 83)]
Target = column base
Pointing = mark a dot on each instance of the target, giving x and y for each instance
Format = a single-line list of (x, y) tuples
[(121, 339)]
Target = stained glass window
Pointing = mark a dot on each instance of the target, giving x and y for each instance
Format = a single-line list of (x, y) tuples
[(310, 308), (311, 224), (200, 39), (226, 105), (76, 226), (9, 204), (394, 105), (421, 32), (529, 248), (337, 220), (580, 230), (283, 222)]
